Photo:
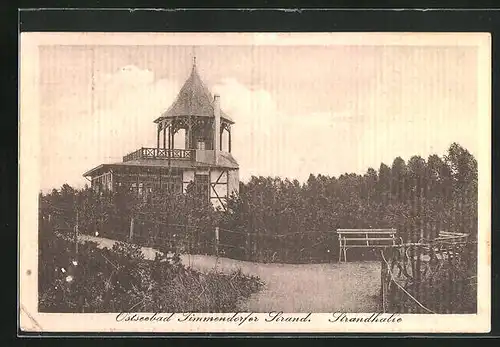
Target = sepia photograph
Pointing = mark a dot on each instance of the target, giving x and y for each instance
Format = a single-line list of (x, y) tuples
[(255, 182)]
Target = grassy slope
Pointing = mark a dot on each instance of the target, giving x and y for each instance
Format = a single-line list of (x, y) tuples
[(120, 278)]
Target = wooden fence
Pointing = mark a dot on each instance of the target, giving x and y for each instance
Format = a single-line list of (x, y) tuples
[(302, 247), (438, 276), (297, 247)]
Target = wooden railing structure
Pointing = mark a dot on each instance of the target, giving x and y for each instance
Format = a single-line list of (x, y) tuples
[(161, 153), (430, 276), (448, 236)]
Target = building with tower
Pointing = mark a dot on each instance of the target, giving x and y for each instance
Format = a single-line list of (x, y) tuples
[(205, 159)]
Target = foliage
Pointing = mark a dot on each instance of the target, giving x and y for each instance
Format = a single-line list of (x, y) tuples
[(445, 283), (121, 280), (276, 219), (417, 198), (270, 220)]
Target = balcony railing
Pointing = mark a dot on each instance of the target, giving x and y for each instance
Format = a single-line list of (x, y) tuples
[(161, 153)]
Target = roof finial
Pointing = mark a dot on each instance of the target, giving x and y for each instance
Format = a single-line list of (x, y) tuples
[(194, 58)]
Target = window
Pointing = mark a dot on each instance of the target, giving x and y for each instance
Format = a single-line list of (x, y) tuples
[(201, 144), (109, 182), (96, 184), (201, 186)]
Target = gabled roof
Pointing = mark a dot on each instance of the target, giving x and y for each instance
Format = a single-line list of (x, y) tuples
[(193, 99)]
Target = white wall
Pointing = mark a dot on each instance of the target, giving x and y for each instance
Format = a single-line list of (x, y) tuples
[(234, 181)]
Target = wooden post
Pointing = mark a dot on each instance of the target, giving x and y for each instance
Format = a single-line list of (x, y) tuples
[(189, 239), (383, 291), (170, 147), (131, 235), (340, 248), (220, 139), (247, 246), (76, 234), (217, 241), (164, 136), (172, 138), (255, 240), (137, 191), (187, 138), (158, 136), (229, 141)]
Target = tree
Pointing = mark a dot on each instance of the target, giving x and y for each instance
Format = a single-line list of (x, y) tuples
[(417, 180), (370, 182), (439, 178), (384, 183), (417, 198), (463, 165), (464, 176), (398, 180)]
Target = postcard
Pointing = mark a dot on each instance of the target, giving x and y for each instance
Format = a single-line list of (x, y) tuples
[(255, 182)]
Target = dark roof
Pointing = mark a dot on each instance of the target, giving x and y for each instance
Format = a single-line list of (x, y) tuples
[(226, 160), (194, 99)]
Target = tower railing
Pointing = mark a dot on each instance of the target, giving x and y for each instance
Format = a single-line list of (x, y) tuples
[(161, 153)]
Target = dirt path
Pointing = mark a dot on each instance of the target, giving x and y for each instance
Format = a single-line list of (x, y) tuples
[(346, 287)]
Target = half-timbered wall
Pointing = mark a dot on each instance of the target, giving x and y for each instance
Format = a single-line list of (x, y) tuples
[(218, 187)]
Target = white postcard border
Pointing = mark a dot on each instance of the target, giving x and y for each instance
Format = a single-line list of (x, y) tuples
[(31, 320)]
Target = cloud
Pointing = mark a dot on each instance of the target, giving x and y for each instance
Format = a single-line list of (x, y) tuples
[(77, 139), (416, 130), (267, 140)]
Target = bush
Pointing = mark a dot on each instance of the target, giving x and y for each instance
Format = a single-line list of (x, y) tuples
[(289, 221), (121, 280)]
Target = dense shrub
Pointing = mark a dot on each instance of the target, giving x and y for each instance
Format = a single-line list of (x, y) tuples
[(275, 219), (270, 220), (121, 280), (418, 198), (446, 282)]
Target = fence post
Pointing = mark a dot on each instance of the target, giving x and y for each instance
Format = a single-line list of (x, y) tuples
[(131, 235), (76, 234), (256, 239), (247, 246), (189, 239), (217, 241), (383, 292)]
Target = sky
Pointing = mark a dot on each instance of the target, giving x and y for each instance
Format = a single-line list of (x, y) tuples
[(322, 109)]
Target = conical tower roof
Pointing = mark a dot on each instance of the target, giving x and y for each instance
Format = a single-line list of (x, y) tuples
[(194, 99)]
